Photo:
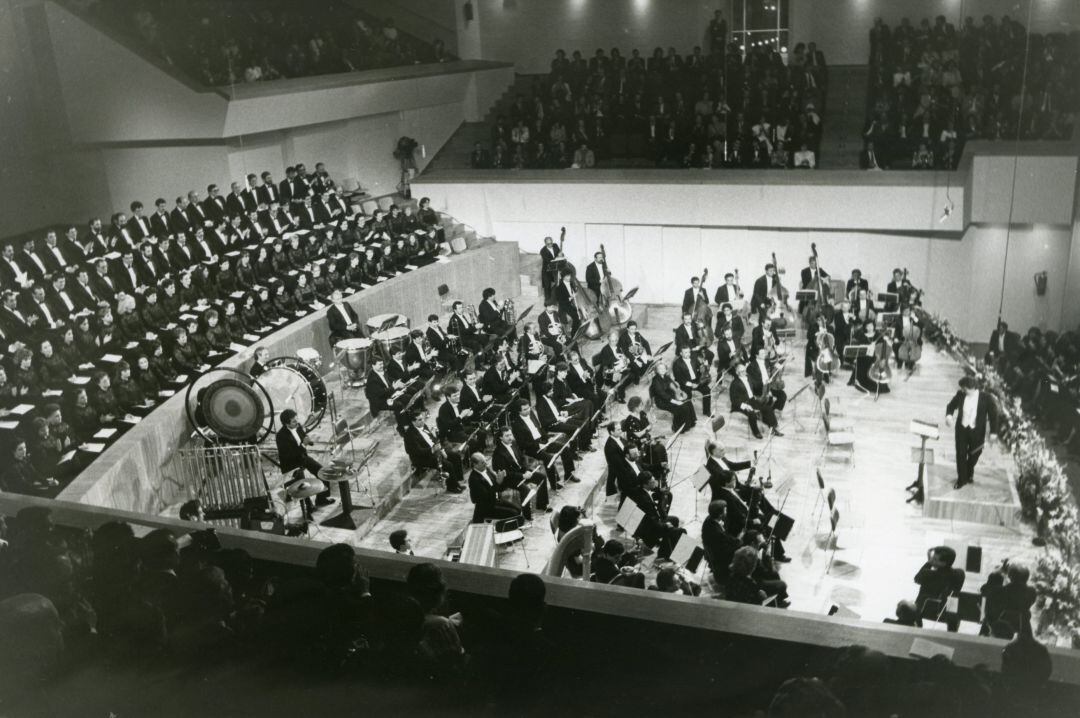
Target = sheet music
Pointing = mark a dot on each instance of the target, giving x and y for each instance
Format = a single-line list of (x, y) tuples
[(630, 517), (104, 433), (923, 648), (684, 549)]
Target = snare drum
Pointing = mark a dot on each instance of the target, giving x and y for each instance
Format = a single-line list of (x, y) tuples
[(355, 353), (457, 245), (393, 337), (309, 356), (375, 323)]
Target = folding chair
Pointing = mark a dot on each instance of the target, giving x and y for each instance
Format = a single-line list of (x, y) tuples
[(834, 519), (837, 438)]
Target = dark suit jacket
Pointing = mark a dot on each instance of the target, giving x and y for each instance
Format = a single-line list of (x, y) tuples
[(593, 277), (290, 454), (1012, 342), (338, 324), (986, 412), (161, 225), (723, 295), (738, 394), (681, 372), (737, 511), (419, 451), (724, 355), (688, 299), (937, 583), (523, 438), (378, 394), (718, 475), (511, 460), (449, 422), (761, 292), (720, 547)]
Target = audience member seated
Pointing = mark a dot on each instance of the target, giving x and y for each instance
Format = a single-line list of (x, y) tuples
[(226, 42), (933, 88)]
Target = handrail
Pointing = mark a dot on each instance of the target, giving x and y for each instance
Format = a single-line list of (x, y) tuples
[(692, 612)]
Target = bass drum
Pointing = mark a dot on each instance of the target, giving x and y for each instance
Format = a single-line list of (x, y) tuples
[(292, 384)]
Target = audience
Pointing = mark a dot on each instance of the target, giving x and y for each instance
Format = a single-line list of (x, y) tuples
[(933, 87), (225, 42), (718, 109)]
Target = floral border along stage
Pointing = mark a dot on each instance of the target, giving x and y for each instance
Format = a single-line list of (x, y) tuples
[(1043, 488)]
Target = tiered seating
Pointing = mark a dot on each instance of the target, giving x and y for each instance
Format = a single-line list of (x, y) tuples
[(224, 42), (702, 110), (101, 326), (934, 87)]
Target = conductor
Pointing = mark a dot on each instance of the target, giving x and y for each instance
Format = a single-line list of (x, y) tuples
[(970, 411)]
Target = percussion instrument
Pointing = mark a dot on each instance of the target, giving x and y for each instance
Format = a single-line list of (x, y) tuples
[(375, 323), (354, 353), (305, 489), (309, 356), (457, 245), (392, 337), (292, 384)]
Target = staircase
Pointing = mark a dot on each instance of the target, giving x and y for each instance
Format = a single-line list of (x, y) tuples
[(845, 113), (454, 155)]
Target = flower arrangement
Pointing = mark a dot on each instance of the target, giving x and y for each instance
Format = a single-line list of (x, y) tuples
[(1043, 489)]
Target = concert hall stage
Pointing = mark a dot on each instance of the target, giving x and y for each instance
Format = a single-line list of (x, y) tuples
[(881, 541)]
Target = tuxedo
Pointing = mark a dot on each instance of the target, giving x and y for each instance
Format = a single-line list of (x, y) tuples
[(31, 264), (138, 227), (725, 294), (719, 546), (420, 446), (55, 258), (450, 424), (63, 303), (764, 290), (86, 296), (690, 298), (593, 278), (292, 454), (689, 381), (126, 277), (970, 430), (339, 318), (266, 194), (485, 497), (378, 392), (618, 470), (721, 471), (729, 353), (179, 221), (742, 393), (161, 224)]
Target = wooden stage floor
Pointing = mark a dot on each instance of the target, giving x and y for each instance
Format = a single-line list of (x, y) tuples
[(881, 540)]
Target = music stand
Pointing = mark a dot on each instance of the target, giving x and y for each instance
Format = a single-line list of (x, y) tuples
[(890, 319), (889, 299), (629, 518), (806, 295), (854, 351), (921, 455)]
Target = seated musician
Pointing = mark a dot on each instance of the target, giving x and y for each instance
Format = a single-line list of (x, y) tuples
[(744, 401), (862, 306), (441, 344), (766, 574), (612, 366), (865, 376), (638, 430), (381, 393), (896, 286), (760, 379), (582, 380), (473, 399), (342, 318), (499, 381), (636, 348), (485, 488), (292, 442), (721, 469), (687, 334), (471, 335), (556, 421), (854, 284), (727, 317), (540, 445), (489, 313), (425, 451), (508, 459), (397, 372), (569, 401), (451, 419), (551, 328), (657, 529), (685, 370), (719, 544), (909, 329), (729, 349), (418, 359), (532, 349), (667, 396), (764, 335)]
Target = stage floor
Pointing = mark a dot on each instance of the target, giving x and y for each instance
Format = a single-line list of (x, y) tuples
[(881, 540)]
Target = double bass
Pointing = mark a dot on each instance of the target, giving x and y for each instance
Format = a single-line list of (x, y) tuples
[(617, 306), (779, 300), (823, 303), (910, 350), (703, 316)]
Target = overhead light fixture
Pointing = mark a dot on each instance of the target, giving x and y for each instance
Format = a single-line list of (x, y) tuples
[(947, 212)]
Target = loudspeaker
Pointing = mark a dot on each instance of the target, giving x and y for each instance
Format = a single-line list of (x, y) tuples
[(974, 559), (232, 409), (443, 290)]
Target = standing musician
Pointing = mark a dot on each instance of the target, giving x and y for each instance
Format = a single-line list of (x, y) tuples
[(855, 283), (636, 348), (809, 278), (490, 314), (687, 334), (862, 306), (696, 293), (685, 369), (468, 332), (344, 324), (549, 268), (425, 452), (745, 401), (611, 365), (729, 318), (551, 328), (971, 412), (759, 374), (728, 292), (620, 474), (638, 430), (538, 444), (895, 286), (510, 460), (566, 296), (721, 470), (764, 289), (667, 396), (729, 350), (594, 275)]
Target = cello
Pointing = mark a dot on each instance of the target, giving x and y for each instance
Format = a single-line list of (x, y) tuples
[(910, 350)]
